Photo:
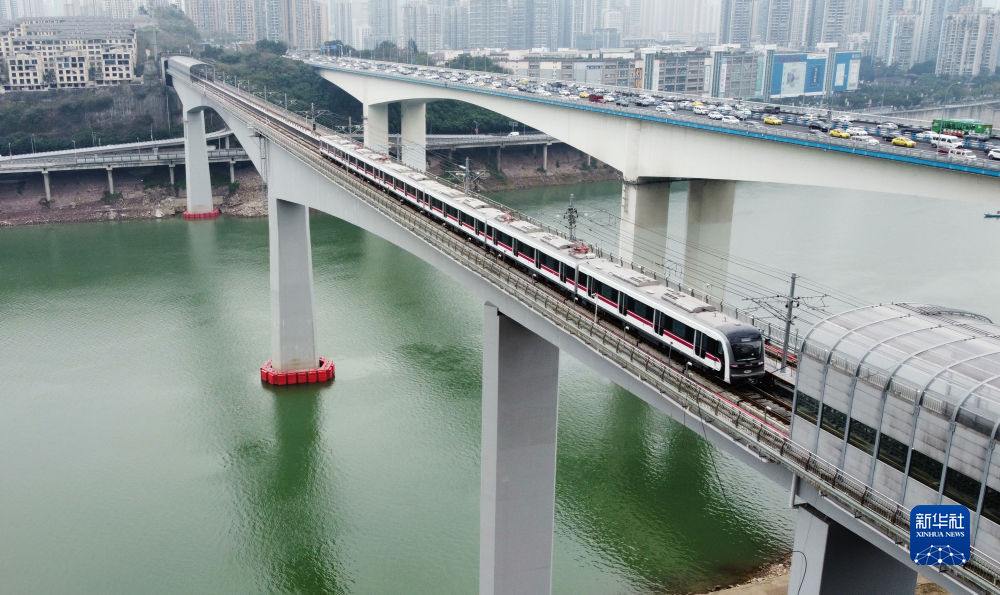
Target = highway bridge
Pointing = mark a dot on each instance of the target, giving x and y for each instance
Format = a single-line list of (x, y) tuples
[(855, 535)]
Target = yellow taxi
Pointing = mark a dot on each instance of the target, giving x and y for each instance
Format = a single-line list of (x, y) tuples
[(900, 141), (837, 132), (772, 120)]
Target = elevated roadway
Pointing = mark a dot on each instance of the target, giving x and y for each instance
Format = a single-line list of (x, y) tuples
[(646, 145)]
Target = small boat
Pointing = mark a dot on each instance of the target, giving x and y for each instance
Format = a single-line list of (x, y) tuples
[(992, 215)]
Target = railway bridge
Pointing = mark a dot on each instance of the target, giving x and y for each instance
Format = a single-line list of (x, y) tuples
[(855, 538)]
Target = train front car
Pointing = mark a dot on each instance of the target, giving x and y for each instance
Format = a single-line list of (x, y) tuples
[(747, 347)]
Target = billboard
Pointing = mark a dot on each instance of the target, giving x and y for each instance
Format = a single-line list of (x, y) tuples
[(794, 75), (846, 71)]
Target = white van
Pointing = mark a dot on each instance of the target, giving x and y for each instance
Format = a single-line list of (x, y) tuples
[(961, 154)]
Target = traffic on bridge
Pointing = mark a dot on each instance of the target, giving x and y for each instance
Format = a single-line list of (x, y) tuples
[(909, 142)]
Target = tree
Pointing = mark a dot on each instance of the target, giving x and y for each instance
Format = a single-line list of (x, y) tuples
[(480, 63), (271, 47), (49, 77)]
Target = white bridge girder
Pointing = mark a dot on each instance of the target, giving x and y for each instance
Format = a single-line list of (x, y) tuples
[(305, 186), (651, 149)]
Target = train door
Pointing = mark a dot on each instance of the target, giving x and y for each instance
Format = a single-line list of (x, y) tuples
[(657, 323), (699, 349)]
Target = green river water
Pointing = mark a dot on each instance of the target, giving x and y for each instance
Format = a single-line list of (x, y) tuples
[(142, 454)]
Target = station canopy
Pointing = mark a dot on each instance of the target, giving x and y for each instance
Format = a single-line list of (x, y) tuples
[(947, 360)]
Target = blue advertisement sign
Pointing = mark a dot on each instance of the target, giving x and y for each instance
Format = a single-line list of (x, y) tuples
[(793, 75), (940, 535), (846, 71)]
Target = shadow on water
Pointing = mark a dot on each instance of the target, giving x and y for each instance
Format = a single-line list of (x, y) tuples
[(283, 489), (666, 507)]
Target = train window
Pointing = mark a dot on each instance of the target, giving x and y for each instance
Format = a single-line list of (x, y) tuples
[(522, 249), (505, 240), (451, 211), (681, 330), (489, 232), (807, 407), (925, 469), (862, 436), (548, 262), (408, 189), (437, 204), (583, 281), (641, 310), (961, 488), (609, 293), (892, 452), (991, 505), (833, 421), (467, 219), (711, 345)]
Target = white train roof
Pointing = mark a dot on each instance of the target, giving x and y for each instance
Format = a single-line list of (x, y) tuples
[(947, 360)]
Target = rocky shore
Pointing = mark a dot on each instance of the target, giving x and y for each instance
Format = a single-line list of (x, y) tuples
[(146, 193)]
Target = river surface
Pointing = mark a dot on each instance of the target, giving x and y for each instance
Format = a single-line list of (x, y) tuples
[(142, 454)]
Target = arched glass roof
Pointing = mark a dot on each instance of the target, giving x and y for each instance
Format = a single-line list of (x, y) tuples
[(947, 359)]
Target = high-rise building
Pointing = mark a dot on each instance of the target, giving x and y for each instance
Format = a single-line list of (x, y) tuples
[(969, 44), (423, 24), (488, 23), (455, 25), (779, 23), (383, 18), (532, 24), (735, 20), (342, 21), (903, 39)]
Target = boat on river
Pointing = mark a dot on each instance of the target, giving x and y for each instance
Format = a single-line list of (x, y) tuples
[(992, 215)]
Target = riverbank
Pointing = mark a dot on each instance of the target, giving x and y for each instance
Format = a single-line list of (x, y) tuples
[(146, 193), (772, 579)]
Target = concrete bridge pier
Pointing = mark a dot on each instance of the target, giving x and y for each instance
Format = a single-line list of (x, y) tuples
[(111, 181), (48, 187), (642, 236), (199, 182), (545, 157), (173, 177), (828, 558), (232, 171), (413, 134), (709, 230), (293, 327), (376, 127), (517, 497)]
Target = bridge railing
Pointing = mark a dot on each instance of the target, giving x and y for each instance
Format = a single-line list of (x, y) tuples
[(741, 426)]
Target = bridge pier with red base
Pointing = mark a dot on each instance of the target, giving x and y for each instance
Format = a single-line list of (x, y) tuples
[(322, 373), (209, 215)]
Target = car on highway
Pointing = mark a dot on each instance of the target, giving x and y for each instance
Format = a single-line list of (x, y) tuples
[(888, 125), (700, 110), (865, 139), (902, 141), (857, 131), (961, 154), (842, 120), (946, 142), (819, 125), (715, 115), (838, 133), (730, 120), (774, 121)]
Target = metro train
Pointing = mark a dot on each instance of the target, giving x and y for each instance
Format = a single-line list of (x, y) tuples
[(731, 349)]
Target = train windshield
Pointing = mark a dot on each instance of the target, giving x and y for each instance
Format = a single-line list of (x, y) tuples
[(747, 347)]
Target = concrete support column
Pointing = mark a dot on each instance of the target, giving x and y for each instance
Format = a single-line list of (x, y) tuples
[(293, 328), (173, 178), (589, 160), (232, 171), (709, 229), (499, 168), (199, 182), (376, 127), (227, 142), (827, 558), (413, 137), (545, 157), (517, 497), (111, 182), (48, 188), (642, 237)]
